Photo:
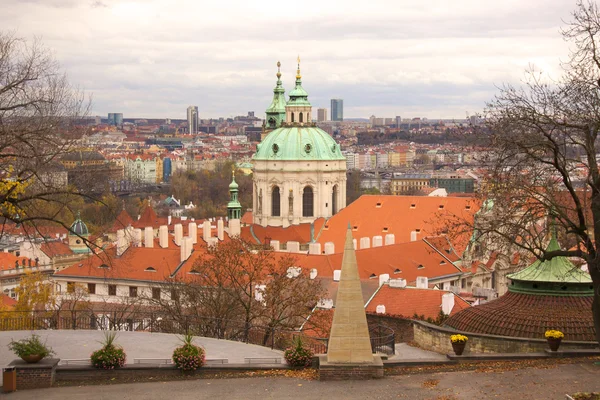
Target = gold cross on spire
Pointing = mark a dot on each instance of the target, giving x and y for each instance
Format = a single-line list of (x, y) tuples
[(298, 76)]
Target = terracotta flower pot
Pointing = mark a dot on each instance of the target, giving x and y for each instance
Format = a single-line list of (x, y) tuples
[(554, 344), (32, 358), (458, 347)]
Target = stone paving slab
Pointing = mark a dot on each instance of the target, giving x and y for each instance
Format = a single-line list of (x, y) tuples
[(522, 384), (80, 344)]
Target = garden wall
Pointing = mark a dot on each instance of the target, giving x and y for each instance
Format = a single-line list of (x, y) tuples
[(437, 338)]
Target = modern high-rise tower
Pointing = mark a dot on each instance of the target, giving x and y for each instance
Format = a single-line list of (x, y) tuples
[(192, 118), (321, 115), (337, 109)]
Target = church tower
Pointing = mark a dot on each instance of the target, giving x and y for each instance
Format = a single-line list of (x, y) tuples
[(299, 171), (234, 208), (276, 111), (77, 232)]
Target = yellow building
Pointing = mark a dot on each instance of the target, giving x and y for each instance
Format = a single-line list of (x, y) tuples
[(409, 183)]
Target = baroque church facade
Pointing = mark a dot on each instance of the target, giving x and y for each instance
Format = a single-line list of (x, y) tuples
[(299, 171)]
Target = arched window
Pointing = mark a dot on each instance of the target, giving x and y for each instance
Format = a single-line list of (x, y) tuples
[(300, 118), (292, 117), (334, 200), (307, 202), (272, 123), (275, 202)]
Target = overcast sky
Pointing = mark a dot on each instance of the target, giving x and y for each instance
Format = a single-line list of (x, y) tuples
[(153, 58)]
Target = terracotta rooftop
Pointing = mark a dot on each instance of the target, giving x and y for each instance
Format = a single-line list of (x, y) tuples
[(7, 302), (374, 215), (56, 248), (408, 301), (529, 316)]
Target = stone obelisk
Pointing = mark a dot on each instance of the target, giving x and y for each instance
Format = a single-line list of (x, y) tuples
[(349, 354)]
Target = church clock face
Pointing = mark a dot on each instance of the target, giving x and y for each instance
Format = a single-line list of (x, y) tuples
[(308, 148), (275, 148)]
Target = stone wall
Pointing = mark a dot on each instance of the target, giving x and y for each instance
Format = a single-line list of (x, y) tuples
[(347, 372), (403, 328), (436, 338)]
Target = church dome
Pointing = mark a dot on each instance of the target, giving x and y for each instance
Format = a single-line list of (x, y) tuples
[(79, 228), (298, 143)]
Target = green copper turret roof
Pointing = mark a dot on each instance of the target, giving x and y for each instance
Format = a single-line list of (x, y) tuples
[(298, 96), (278, 103), (557, 276)]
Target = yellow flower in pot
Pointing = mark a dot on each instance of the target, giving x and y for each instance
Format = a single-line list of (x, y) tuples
[(554, 338), (458, 343)]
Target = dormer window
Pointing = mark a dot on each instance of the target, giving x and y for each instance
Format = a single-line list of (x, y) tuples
[(442, 262), (420, 266), (103, 266), (378, 205), (441, 206), (372, 276), (150, 269), (397, 271), (385, 229), (413, 206)]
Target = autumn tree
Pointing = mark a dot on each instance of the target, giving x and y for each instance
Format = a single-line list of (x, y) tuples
[(39, 115), (236, 285), (543, 156)]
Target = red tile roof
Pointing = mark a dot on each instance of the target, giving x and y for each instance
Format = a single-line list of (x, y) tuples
[(529, 316), (123, 221), (9, 260), (133, 264), (295, 233), (7, 302), (56, 248), (377, 215), (406, 302)]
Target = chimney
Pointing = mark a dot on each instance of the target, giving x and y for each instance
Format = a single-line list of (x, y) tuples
[(314, 248), (413, 236), (383, 278), (178, 234), (163, 236), (169, 220), (329, 248), (447, 303), (293, 272), (183, 250), (390, 238), (354, 244), (365, 243), (206, 230), (336, 275), (293, 247), (220, 229), (377, 241), (129, 235), (193, 232), (137, 238), (275, 245), (234, 227), (313, 273), (380, 309), (422, 282), (121, 242), (189, 246), (212, 241), (149, 237), (397, 283)]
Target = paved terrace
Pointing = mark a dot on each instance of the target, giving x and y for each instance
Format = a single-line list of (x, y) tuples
[(522, 384), (81, 343)]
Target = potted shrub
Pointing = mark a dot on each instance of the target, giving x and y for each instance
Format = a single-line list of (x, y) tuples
[(298, 355), (111, 355), (31, 349), (458, 343), (189, 357), (554, 337)]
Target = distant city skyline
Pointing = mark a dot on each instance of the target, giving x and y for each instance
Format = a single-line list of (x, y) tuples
[(436, 60)]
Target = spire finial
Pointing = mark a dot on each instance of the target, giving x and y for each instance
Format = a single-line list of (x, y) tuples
[(278, 69), (233, 171), (298, 76)]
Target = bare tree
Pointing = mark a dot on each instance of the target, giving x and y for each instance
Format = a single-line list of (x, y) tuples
[(543, 157), (39, 112)]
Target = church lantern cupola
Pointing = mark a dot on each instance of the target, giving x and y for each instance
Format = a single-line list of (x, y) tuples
[(276, 111), (234, 208), (78, 235)]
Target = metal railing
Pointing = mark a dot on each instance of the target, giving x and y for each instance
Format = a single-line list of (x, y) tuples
[(382, 337)]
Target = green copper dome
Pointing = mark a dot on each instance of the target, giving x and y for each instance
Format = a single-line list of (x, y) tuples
[(79, 228), (557, 276), (298, 143)]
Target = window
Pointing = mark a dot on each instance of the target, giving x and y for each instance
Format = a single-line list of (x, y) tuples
[(132, 291), (292, 117), (334, 202), (276, 202), (156, 293), (91, 288), (307, 202), (300, 119), (70, 287), (174, 295), (112, 290)]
